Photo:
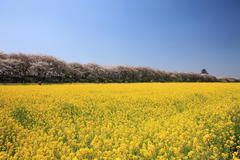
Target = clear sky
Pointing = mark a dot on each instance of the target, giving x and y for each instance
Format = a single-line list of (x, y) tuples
[(171, 35)]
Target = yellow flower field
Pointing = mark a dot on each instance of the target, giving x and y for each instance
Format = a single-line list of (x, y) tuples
[(120, 121)]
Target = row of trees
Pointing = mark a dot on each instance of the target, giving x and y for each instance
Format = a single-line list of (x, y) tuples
[(33, 68)]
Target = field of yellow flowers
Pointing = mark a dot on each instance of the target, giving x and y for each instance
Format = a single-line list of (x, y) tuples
[(120, 121)]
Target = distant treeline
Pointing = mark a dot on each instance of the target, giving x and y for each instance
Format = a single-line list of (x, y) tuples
[(26, 68)]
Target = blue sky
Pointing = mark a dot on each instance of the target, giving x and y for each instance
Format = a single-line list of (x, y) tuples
[(171, 35)]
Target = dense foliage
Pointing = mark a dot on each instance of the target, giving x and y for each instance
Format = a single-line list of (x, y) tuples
[(33, 68), (137, 121)]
